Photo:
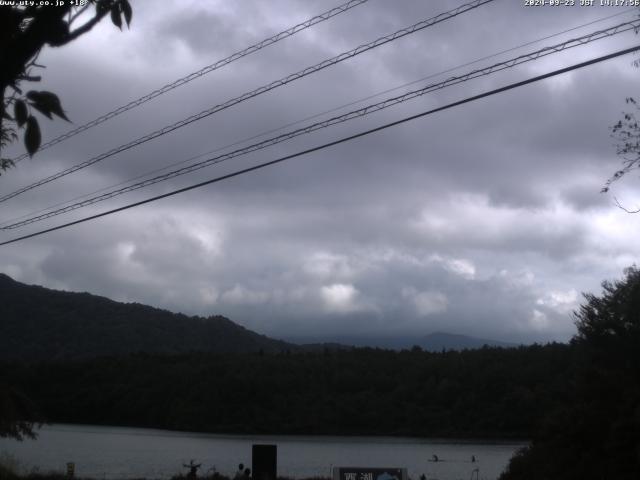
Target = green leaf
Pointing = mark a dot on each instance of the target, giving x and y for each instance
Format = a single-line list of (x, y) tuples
[(115, 16), (20, 112), (39, 103), (33, 95), (47, 103), (42, 110), (32, 137), (126, 9)]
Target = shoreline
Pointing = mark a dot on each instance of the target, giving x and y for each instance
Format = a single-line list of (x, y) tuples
[(309, 437)]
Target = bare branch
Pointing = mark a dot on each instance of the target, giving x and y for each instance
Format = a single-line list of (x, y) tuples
[(622, 208), (32, 62), (30, 78)]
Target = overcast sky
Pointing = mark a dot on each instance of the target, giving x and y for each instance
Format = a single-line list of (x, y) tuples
[(485, 219)]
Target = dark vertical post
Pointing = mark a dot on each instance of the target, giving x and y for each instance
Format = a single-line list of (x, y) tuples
[(264, 462)]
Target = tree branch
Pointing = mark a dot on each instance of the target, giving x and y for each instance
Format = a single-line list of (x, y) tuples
[(622, 208), (100, 13), (78, 13), (30, 78)]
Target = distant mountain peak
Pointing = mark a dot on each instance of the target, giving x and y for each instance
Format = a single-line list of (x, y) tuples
[(433, 342)]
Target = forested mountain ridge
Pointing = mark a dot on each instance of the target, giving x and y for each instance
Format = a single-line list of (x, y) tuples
[(38, 323)]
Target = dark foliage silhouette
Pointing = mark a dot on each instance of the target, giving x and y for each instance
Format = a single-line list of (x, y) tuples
[(24, 31), (596, 434)]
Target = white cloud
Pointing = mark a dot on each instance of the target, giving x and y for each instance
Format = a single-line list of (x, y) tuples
[(428, 302), (561, 301), (328, 265), (464, 268), (519, 279), (210, 241), (538, 320), (125, 249), (494, 226), (340, 298), (240, 295), (459, 266), (209, 295)]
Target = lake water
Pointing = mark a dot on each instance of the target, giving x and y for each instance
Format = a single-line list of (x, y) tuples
[(118, 452)]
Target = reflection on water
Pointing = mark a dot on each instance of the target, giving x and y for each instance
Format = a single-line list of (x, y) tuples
[(116, 452)]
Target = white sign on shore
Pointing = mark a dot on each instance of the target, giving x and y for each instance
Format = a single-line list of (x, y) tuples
[(365, 473)]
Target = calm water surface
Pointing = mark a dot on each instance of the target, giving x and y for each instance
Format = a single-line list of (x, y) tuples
[(118, 452)]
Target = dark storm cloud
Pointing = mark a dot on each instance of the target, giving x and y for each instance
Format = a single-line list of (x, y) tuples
[(485, 219)]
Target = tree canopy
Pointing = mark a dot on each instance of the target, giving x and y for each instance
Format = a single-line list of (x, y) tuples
[(626, 132), (18, 414), (597, 433), (483, 393), (24, 31)]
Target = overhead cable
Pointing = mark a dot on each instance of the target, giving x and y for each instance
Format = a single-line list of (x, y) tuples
[(330, 144), (315, 115), (311, 117), (497, 67), (265, 88), (203, 71)]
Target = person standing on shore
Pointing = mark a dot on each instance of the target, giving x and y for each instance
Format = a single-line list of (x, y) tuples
[(193, 469)]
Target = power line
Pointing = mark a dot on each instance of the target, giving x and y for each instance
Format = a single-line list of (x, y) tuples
[(317, 115), (333, 143), (585, 39), (265, 88), (311, 117), (339, 119), (452, 69), (203, 71)]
